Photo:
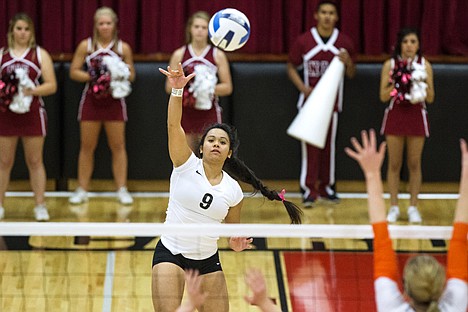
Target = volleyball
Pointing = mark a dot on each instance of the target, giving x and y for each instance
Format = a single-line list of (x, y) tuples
[(229, 29)]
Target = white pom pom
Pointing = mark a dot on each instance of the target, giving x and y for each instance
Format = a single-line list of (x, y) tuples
[(203, 86), (21, 103), (418, 86), (120, 73)]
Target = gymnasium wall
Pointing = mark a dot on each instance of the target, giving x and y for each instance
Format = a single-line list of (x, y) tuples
[(262, 106)]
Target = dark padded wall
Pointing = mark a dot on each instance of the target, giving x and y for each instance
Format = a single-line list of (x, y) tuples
[(262, 107), (362, 109), (448, 118), (148, 157), (52, 145), (71, 98)]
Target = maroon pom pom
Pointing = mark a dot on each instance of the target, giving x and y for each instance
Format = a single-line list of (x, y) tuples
[(100, 79), (8, 89), (401, 77)]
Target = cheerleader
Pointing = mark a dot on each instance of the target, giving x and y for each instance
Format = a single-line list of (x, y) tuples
[(99, 108), (22, 111), (407, 81)]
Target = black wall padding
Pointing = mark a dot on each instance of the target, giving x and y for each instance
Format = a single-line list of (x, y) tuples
[(264, 104)]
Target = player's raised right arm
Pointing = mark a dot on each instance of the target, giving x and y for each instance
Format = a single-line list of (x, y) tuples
[(179, 150)]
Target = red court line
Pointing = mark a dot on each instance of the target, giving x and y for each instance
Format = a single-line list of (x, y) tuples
[(333, 281)]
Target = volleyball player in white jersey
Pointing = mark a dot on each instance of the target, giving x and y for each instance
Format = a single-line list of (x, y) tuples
[(427, 285), (203, 190)]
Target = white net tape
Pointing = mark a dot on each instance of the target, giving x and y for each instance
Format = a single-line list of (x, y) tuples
[(223, 230)]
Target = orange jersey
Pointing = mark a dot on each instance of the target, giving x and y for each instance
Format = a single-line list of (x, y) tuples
[(388, 296)]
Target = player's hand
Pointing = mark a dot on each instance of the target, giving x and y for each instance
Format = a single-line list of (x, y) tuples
[(195, 296), (256, 282), (240, 243), (366, 154), (177, 77)]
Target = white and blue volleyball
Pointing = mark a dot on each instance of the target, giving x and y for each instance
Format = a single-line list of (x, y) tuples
[(229, 29)]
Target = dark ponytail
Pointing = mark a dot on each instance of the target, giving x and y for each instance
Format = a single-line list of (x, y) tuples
[(239, 171)]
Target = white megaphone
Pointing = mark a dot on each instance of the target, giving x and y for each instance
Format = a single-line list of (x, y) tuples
[(312, 122)]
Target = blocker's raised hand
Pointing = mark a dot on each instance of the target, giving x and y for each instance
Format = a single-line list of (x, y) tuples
[(366, 153)]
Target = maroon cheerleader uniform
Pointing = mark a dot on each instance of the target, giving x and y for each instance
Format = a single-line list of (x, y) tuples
[(101, 108), (402, 118), (34, 122), (196, 120)]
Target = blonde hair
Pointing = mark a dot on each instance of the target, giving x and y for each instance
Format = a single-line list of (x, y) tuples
[(424, 281), (101, 12), (25, 18), (199, 14)]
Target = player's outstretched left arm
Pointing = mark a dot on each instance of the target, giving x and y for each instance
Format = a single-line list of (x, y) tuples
[(370, 160)]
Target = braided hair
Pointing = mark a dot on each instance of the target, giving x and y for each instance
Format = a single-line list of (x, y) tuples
[(241, 172)]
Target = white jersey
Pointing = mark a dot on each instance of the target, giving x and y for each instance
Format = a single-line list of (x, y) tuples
[(193, 199), (389, 298)]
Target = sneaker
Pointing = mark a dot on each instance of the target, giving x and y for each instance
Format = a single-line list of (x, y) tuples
[(80, 211), (393, 214), (413, 215), (79, 196), (329, 195), (41, 213), (2, 213), (309, 202), (331, 198), (123, 212), (124, 196)]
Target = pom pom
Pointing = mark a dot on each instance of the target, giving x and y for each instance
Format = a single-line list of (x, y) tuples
[(8, 89), (22, 103), (200, 92), (409, 79), (100, 79), (203, 86), (119, 73)]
